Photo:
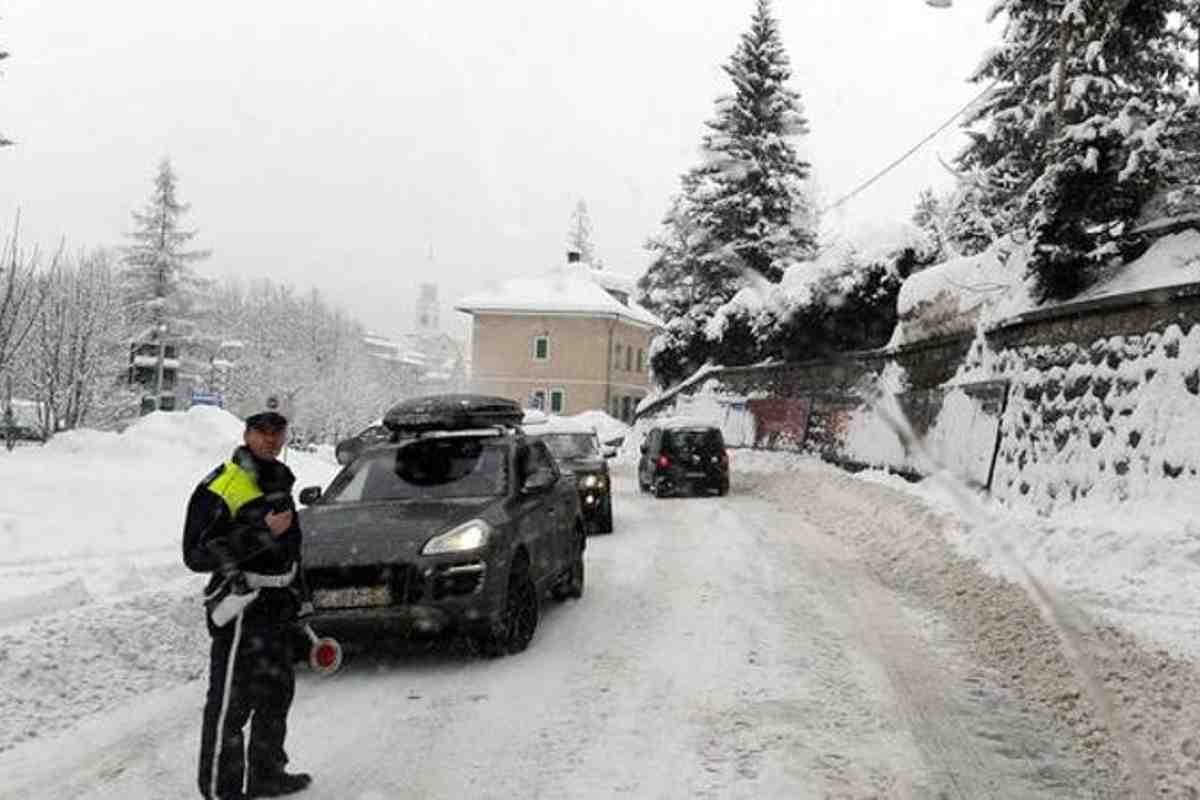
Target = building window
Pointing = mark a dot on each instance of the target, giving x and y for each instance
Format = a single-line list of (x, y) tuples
[(616, 408), (641, 360), (626, 409), (558, 401), (541, 348), (616, 356), (628, 359), (537, 399)]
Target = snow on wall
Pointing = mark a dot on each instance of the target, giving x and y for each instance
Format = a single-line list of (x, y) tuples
[(959, 295), (1114, 422), (964, 437), (870, 436), (726, 411), (710, 405), (1170, 261), (980, 291)]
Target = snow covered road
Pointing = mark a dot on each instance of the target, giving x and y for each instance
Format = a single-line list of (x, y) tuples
[(727, 648)]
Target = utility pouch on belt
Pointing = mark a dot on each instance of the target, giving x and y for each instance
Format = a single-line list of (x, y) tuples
[(229, 606), (240, 590)]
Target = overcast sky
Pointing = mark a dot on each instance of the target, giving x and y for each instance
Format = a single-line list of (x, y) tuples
[(366, 146)]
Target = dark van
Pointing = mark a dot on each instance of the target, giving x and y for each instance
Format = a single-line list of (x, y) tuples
[(681, 456)]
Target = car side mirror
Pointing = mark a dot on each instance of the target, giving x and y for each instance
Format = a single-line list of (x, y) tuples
[(347, 450), (310, 495), (539, 481), (609, 452)]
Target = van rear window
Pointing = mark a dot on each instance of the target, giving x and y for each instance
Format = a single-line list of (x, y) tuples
[(687, 440)]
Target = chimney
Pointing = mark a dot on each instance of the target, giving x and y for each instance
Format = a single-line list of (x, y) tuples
[(573, 256)]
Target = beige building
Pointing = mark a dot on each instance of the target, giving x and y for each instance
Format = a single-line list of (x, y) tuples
[(569, 341)]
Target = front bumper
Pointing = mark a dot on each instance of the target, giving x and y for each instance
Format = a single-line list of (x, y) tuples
[(430, 597), (594, 499), (592, 503)]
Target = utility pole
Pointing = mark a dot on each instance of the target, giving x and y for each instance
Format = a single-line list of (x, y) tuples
[(10, 422), (160, 367)]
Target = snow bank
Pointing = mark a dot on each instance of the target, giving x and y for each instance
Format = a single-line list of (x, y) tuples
[(608, 428), (870, 436), (708, 405), (1135, 564), (962, 294), (88, 493), (96, 602), (1170, 261)]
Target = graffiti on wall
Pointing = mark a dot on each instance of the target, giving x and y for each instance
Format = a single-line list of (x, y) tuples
[(781, 423)]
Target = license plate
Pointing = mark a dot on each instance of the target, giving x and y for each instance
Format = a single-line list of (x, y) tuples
[(353, 597), (697, 475)]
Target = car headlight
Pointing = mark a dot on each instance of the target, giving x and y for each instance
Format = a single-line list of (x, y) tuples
[(468, 536), (593, 482)]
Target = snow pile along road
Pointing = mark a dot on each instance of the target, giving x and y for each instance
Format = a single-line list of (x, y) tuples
[(89, 493), (96, 605), (1154, 692)]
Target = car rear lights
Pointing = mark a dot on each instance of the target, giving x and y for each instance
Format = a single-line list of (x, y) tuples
[(664, 462)]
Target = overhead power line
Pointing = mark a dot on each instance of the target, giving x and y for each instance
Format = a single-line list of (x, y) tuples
[(930, 137)]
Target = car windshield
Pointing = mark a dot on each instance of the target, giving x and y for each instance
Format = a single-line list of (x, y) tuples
[(567, 446), (429, 469)]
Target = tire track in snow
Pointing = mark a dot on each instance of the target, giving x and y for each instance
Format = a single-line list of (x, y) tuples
[(976, 738)]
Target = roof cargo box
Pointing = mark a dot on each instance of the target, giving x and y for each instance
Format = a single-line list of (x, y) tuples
[(453, 412)]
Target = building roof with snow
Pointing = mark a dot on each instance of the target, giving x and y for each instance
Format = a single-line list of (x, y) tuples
[(567, 290)]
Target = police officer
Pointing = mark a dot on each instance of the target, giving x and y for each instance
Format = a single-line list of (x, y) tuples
[(242, 527)]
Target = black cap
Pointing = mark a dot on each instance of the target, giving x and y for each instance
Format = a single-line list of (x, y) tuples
[(267, 421)]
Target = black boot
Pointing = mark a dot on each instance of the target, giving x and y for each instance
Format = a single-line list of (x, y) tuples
[(278, 784)]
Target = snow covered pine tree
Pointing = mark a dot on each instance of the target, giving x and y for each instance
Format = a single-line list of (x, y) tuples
[(743, 214), (1067, 142), (161, 288)]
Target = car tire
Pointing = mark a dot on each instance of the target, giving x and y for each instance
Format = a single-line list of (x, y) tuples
[(660, 490), (520, 618), (604, 523), (723, 489), (570, 584)]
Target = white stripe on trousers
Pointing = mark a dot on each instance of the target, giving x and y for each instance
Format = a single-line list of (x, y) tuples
[(233, 649)]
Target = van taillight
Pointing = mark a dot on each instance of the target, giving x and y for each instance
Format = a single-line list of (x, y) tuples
[(663, 462)]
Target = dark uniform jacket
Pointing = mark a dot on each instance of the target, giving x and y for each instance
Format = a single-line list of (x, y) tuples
[(226, 531)]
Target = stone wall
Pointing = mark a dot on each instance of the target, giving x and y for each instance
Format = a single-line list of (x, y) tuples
[(1081, 400)]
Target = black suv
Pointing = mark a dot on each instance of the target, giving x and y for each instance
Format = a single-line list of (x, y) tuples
[(683, 456), (577, 448), (457, 522)]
